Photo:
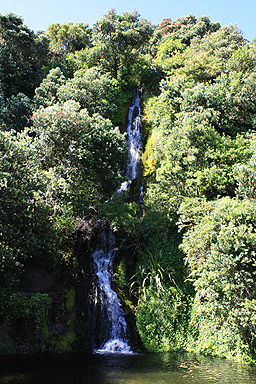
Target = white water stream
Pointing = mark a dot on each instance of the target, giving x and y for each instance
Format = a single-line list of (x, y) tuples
[(134, 141), (112, 315)]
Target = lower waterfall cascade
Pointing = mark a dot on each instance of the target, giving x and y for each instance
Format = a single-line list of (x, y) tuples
[(112, 312), (113, 327)]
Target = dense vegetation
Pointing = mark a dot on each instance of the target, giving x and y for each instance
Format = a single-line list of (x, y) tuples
[(189, 266)]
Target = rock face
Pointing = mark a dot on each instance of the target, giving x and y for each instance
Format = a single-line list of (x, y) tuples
[(52, 304)]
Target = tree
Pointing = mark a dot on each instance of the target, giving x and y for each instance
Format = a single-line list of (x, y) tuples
[(25, 218), (46, 93), (168, 48), (220, 247), (117, 41), (68, 37), (85, 153), (183, 29), (66, 41), (193, 159), (246, 178), (19, 111), (94, 90), (20, 57)]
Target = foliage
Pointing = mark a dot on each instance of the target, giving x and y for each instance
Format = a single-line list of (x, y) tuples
[(196, 161), (246, 178), (195, 146), (31, 311), (117, 40), (188, 27), (68, 37), (120, 275), (159, 253), (159, 284), (124, 216), (85, 152), (19, 111), (65, 43), (161, 320), (220, 249), (23, 55), (46, 93), (166, 49), (199, 160), (20, 57), (94, 90), (182, 30), (24, 219)]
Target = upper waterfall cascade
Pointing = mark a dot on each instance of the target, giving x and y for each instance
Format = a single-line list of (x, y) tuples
[(134, 141), (114, 327)]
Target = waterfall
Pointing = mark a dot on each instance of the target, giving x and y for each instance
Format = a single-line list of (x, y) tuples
[(112, 315), (134, 141), (113, 328)]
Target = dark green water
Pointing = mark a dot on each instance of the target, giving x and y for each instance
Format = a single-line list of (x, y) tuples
[(82, 368)]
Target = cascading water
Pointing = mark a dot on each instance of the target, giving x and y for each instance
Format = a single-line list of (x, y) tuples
[(113, 328), (134, 141), (111, 312)]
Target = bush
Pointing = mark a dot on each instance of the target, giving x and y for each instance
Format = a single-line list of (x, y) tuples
[(32, 311), (161, 320), (220, 249)]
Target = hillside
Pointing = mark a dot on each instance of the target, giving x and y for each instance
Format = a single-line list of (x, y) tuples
[(185, 261)]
